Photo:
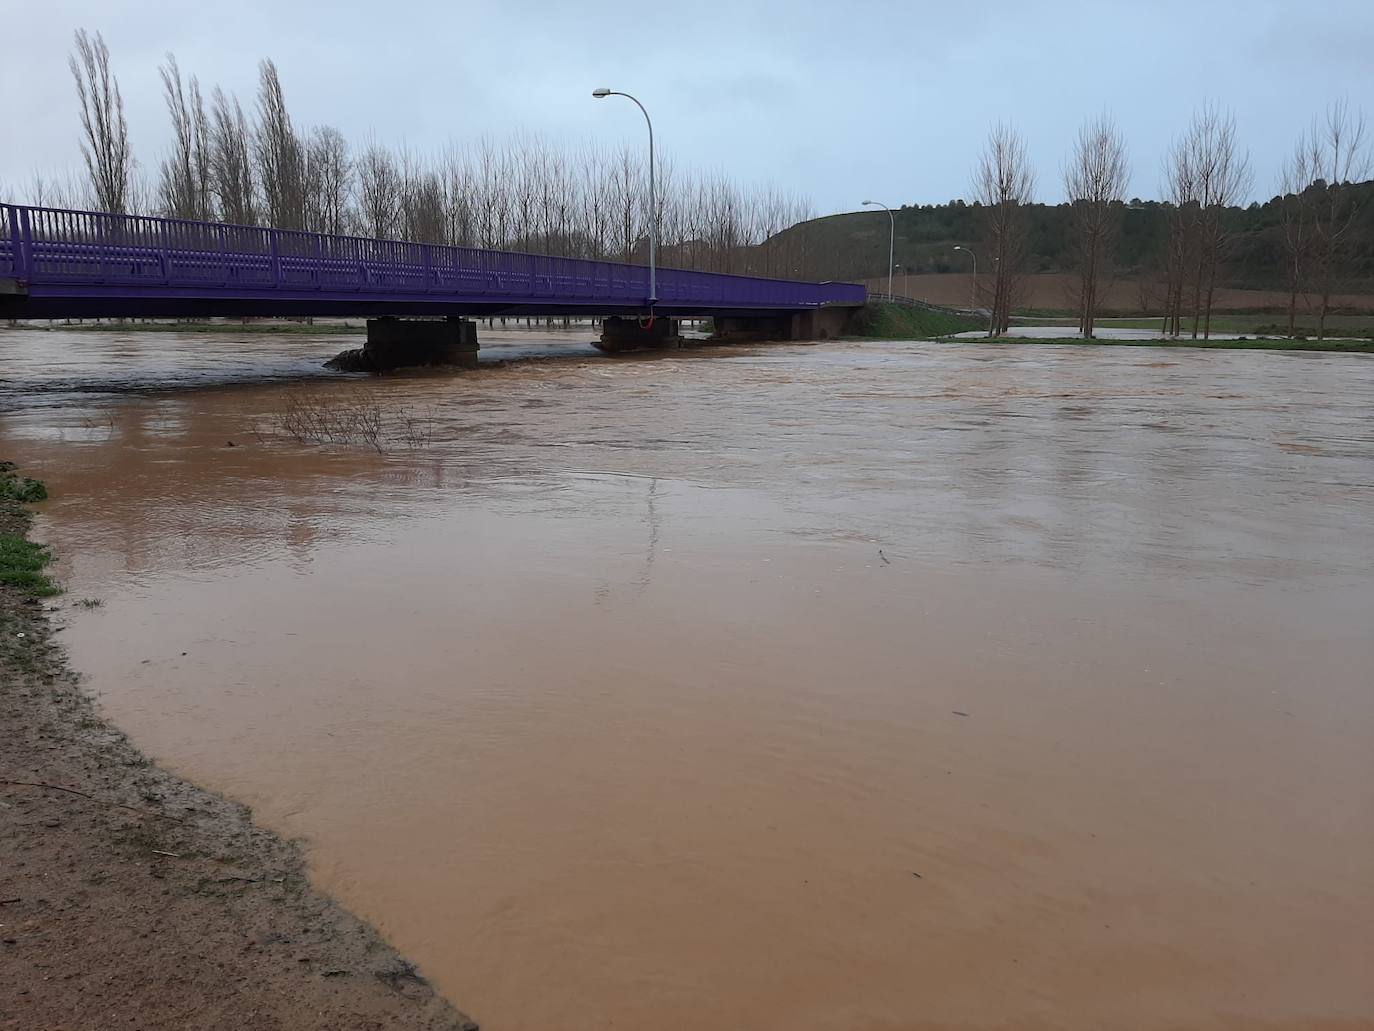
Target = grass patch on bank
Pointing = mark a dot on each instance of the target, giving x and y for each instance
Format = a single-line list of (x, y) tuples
[(885, 321), (1240, 344), (21, 566), (22, 562)]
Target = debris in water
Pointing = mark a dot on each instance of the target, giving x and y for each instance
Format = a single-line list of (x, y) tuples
[(958, 713)]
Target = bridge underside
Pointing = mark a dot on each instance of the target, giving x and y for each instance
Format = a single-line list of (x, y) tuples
[(96, 306)]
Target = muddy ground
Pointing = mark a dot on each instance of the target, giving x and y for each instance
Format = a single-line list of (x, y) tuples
[(132, 899)]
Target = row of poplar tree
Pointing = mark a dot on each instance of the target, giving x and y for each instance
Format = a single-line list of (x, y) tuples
[(257, 167)]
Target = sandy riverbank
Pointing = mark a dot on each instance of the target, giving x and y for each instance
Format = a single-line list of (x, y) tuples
[(131, 898)]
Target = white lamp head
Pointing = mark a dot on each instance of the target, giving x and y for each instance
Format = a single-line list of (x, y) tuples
[(602, 92)]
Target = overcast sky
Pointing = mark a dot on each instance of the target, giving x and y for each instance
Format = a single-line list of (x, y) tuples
[(839, 101)]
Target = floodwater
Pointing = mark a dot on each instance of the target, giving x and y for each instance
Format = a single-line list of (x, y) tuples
[(854, 686)]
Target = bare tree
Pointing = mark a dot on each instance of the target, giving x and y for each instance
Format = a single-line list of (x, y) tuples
[(105, 143), (1206, 175), (1003, 184), (231, 161), (421, 203), (1340, 157), (597, 209), (328, 181), (184, 187), (1181, 203), (1296, 218), (279, 154), (379, 193), (459, 210), (627, 186), (142, 198), (68, 192), (524, 193), (1094, 183), (1222, 176)]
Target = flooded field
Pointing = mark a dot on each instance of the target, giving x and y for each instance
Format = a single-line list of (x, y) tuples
[(852, 686)]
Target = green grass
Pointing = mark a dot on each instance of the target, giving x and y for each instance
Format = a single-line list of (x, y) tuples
[(1242, 344), (886, 321), (14, 487), (21, 561), (21, 566)]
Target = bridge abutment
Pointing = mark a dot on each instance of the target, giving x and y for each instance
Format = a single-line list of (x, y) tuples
[(818, 324), (621, 334)]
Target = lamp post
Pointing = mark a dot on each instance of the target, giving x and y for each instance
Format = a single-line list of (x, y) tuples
[(653, 198), (891, 239), (973, 291)]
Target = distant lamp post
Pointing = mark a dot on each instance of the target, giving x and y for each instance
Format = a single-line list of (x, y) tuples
[(973, 291), (891, 238), (653, 196)]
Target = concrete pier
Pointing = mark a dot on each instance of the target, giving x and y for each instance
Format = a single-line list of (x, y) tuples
[(399, 343), (622, 334)]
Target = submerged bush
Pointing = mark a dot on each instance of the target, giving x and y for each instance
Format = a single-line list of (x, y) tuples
[(20, 488), (350, 418)]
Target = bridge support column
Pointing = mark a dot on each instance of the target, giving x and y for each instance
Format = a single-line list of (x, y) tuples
[(399, 343), (619, 334)]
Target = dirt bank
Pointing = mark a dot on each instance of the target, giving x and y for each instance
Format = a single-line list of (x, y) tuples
[(130, 898)]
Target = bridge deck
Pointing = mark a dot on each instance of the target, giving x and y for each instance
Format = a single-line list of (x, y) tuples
[(72, 264)]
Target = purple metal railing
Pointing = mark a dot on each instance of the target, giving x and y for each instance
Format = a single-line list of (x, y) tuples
[(137, 255)]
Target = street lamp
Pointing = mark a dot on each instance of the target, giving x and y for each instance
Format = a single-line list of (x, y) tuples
[(891, 239), (653, 198), (973, 292)]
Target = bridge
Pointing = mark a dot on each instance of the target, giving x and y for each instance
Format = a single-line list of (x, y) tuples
[(61, 264)]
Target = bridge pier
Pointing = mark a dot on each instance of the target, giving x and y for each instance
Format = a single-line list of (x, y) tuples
[(621, 334), (404, 343)]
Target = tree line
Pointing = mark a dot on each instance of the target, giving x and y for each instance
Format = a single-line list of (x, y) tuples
[(1325, 230), (1313, 239), (259, 167)]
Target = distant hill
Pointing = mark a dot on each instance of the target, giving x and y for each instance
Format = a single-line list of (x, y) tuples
[(853, 246)]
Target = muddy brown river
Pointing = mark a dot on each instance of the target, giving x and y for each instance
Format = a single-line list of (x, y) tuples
[(858, 687)]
